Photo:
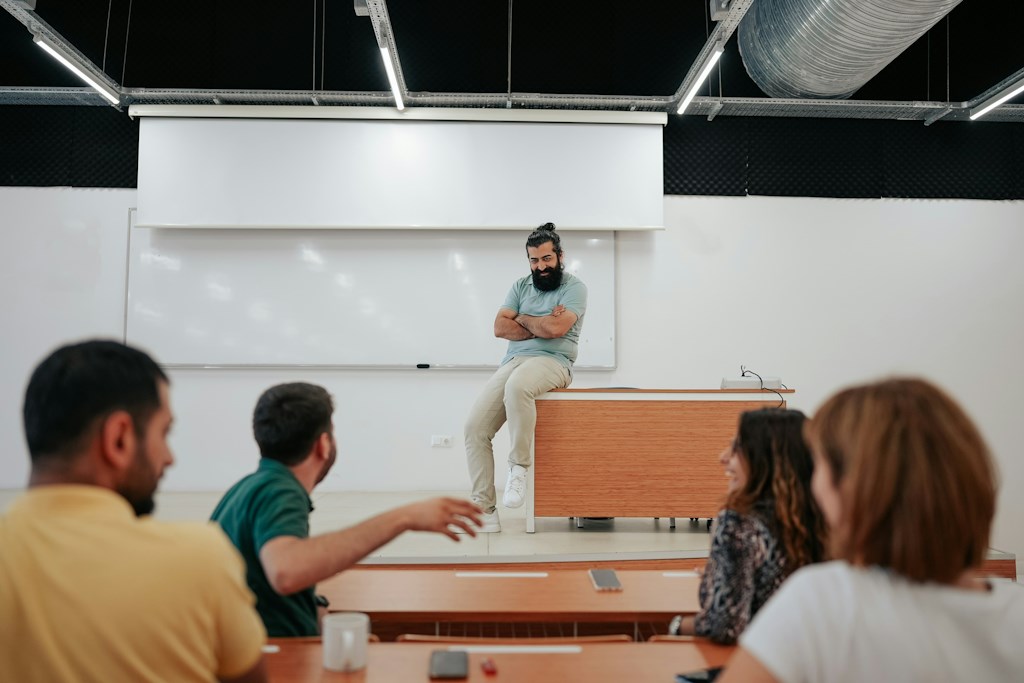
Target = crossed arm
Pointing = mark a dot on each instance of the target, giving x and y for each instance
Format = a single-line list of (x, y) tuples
[(518, 326), (293, 564)]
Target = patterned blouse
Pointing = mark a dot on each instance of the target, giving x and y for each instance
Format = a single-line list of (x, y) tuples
[(746, 565)]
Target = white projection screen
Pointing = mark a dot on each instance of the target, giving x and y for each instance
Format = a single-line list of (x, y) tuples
[(344, 173)]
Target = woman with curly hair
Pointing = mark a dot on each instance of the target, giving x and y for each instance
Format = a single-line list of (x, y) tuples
[(909, 491), (770, 525)]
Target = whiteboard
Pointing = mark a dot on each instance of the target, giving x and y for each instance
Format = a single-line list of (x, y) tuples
[(396, 298)]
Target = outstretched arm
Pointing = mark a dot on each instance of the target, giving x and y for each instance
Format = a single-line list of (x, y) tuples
[(506, 327), (551, 326), (293, 564)]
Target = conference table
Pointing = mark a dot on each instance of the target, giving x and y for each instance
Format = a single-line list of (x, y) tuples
[(301, 661), (558, 595)]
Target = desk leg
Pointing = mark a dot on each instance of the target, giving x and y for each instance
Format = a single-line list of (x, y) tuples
[(530, 522)]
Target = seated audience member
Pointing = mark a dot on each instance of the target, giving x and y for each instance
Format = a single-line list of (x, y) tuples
[(908, 489), (266, 514), (90, 588), (770, 525)]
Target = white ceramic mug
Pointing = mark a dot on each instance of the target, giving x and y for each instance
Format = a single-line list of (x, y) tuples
[(344, 640)]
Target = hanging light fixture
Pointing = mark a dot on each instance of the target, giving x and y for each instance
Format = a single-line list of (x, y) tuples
[(73, 64), (709, 64), (1014, 87), (389, 67)]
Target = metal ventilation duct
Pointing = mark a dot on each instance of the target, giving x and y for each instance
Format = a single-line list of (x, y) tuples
[(829, 48)]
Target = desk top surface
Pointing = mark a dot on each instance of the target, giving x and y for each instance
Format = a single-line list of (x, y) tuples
[(301, 661), (555, 595), (633, 390)]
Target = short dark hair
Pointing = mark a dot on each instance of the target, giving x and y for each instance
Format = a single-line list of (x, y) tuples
[(80, 383), (545, 233), (288, 420)]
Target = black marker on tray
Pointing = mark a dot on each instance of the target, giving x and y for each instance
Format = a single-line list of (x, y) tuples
[(423, 366)]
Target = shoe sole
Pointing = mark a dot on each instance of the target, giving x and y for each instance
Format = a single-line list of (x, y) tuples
[(479, 530)]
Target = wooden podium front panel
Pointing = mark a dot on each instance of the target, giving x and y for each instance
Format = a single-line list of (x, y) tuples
[(632, 458)]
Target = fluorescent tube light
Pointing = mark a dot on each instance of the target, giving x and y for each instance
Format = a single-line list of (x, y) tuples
[(392, 79), (712, 59), (109, 93), (1008, 93)]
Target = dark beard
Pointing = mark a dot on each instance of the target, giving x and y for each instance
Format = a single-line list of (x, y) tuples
[(330, 462), (143, 506), (549, 282), (140, 484)]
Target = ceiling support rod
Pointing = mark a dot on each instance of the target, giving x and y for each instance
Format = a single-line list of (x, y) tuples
[(720, 35)]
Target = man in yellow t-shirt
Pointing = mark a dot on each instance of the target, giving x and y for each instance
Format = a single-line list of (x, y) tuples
[(90, 588)]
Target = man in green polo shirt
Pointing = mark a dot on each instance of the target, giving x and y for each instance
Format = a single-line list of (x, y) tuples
[(266, 514)]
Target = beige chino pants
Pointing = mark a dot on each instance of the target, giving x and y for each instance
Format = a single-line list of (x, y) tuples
[(509, 395)]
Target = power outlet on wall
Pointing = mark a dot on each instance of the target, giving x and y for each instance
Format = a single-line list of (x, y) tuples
[(441, 441)]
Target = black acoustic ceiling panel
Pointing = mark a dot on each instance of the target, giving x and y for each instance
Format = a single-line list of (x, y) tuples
[(1018, 146), (34, 145), (68, 146), (705, 158), (451, 46), (954, 160), (105, 150), (604, 47), (815, 157)]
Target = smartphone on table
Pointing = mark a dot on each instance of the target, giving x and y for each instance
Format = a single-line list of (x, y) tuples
[(605, 579), (449, 664), (702, 676)]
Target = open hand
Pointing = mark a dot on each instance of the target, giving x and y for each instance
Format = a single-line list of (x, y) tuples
[(437, 514)]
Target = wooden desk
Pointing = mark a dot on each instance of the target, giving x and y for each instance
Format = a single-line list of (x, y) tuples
[(302, 662), (562, 596), (633, 453)]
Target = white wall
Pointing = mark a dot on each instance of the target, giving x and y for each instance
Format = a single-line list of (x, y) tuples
[(825, 293), (62, 277), (821, 293)]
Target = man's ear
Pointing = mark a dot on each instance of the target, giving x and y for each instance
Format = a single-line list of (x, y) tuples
[(118, 440), (323, 446)]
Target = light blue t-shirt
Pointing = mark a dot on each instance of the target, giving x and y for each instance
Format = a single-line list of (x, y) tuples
[(524, 298)]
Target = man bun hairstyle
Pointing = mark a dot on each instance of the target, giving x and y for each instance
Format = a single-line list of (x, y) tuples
[(545, 233)]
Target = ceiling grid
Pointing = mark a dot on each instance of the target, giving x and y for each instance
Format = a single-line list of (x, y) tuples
[(593, 42)]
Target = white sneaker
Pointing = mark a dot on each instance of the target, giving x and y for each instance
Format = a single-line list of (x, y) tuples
[(489, 524), (515, 487)]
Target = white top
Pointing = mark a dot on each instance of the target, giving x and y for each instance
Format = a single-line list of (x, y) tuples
[(836, 622)]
